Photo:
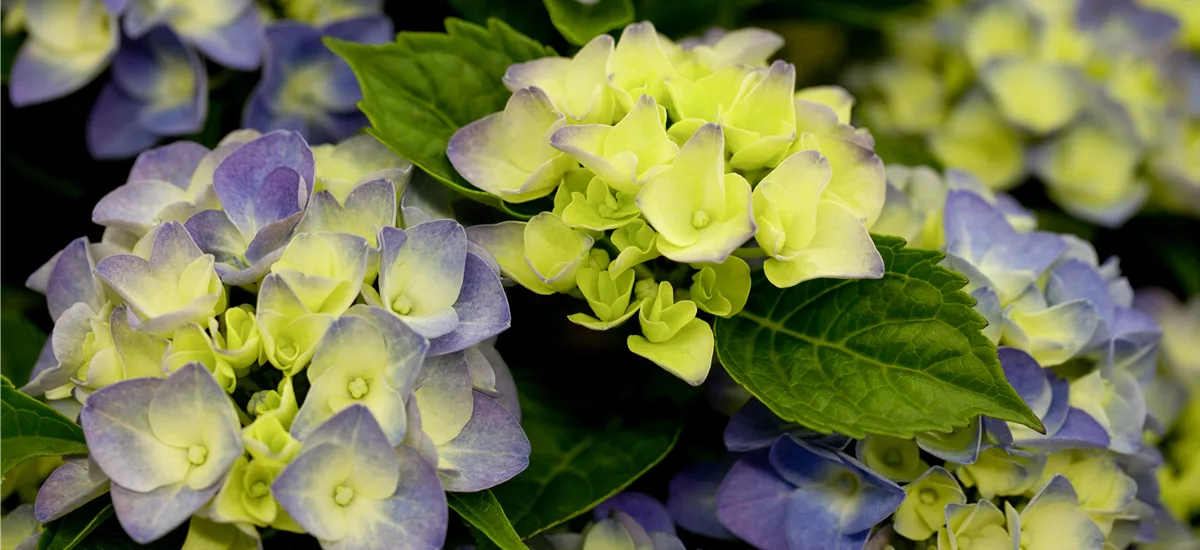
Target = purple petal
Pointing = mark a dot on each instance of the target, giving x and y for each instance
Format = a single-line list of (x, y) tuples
[(482, 309), (173, 163), (216, 235), (1073, 280), (414, 518), (68, 487), (139, 69), (692, 499), (113, 128), (812, 469), (754, 426), (972, 225), (40, 73), (1024, 374), (1032, 252), (146, 517), (237, 45), (752, 502), (71, 280), (45, 363), (240, 178), (115, 6), (354, 427), (135, 206), (645, 509), (490, 450), (812, 523), (116, 424), (1079, 430)]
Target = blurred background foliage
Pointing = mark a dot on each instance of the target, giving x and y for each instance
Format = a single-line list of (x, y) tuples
[(50, 184)]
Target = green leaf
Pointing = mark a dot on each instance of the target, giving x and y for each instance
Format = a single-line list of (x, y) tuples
[(420, 89), (30, 428), (580, 458), (68, 532), (483, 512), (22, 344), (893, 356), (579, 22)]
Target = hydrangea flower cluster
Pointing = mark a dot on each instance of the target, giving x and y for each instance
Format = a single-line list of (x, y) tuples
[(1179, 477), (625, 521), (1070, 344), (160, 83), (1096, 98), (265, 337), (695, 152)]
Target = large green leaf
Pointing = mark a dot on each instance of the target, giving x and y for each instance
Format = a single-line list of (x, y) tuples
[(484, 513), (895, 356), (71, 530), (579, 22), (584, 451), (30, 428), (420, 89)]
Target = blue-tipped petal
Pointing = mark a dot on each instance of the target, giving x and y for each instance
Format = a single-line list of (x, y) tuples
[(71, 280), (754, 426), (972, 225), (692, 499), (41, 71), (752, 502), (237, 45), (355, 428), (413, 518), (645, 509), (113, 130), (116, 423), (70, 486), (173, 163), (482, 308), (489, 450), (148, 516), (241, 180), (445, 397), (167, 78)]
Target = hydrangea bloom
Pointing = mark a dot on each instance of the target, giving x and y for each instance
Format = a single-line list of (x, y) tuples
[(159, 86), (626, 521), (1085, 95), (307, 89), (407, 397), (1088, 482), (697, 153)]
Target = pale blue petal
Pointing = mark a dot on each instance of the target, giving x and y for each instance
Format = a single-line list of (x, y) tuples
[(148, 516), (692, 499), (643, 508), (752, 502), (116, 423), (70, 486), (490, 450), (482, 308)]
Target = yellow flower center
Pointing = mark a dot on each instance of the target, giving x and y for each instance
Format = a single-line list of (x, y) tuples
[(197, 454), (343, 495), (288, 350), (927, 496), (700, 219), (258, 489), (846, 482), (357, 388), (402, 305)]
